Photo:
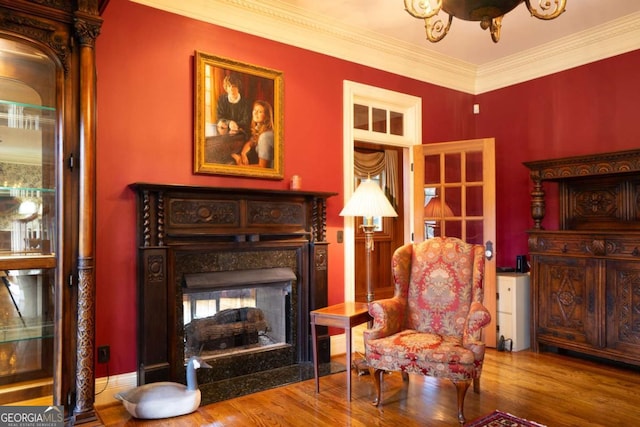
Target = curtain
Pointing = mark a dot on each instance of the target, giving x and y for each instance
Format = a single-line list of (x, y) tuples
[(374, 164)]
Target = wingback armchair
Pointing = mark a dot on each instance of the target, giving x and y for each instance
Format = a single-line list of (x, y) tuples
[(432, 325)]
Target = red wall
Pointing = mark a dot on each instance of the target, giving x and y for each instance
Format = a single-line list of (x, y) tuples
[(145, 134), (585, 110), (145, 127)]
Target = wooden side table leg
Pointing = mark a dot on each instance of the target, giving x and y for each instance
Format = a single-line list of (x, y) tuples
[(348, 336), (314, 342)]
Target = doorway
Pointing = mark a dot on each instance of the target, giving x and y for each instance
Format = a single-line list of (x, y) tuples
[(382, 164), (383, 119)]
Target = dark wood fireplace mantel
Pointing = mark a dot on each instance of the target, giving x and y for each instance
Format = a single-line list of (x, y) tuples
[(173, 220)]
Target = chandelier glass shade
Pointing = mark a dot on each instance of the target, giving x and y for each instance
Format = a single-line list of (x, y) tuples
[(488, 12)]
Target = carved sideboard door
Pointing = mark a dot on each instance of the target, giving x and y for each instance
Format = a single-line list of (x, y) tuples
[(585, 276)]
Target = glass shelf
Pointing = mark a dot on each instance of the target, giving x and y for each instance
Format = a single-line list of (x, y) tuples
[(14, 191), (32, 329), (21, 115)]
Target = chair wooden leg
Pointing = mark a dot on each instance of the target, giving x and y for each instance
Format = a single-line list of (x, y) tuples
[(476, 385), (461, 387), (377, 381)]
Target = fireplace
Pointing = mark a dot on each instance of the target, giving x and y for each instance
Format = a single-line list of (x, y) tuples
[(231, 275), (234, 312)]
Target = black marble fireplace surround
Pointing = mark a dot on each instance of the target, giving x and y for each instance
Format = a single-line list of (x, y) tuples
[(186, 231)]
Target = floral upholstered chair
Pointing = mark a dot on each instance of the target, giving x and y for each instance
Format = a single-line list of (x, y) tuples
[(432, 325)]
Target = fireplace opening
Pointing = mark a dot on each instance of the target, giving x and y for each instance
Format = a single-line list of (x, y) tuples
[(234, 312)]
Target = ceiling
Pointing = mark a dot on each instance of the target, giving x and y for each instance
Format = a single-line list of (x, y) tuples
[(381, 34), (466, 40)]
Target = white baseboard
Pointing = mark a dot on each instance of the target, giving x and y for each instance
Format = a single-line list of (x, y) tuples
[(107, 387)]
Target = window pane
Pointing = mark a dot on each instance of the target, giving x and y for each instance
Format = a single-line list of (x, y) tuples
[(432, 169), (379, 120), (474, 167), (474, 201), (453, 199), (474, 232), (360, 117), (452, 229), (397, 123), (452, 167)]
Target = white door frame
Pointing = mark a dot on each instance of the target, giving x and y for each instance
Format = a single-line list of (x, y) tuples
[(411, 107)]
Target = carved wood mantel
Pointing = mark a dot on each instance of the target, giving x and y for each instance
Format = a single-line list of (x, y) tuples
[(174, 220)]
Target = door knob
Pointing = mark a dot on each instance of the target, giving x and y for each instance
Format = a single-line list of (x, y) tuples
[(488, 249)]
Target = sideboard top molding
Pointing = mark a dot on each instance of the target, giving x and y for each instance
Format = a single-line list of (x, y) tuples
[(583, 166)]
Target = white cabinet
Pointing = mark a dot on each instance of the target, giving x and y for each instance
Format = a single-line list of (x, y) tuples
[(513, 308)]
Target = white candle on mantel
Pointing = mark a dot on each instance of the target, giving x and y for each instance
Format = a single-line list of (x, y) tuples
[(296, 182)]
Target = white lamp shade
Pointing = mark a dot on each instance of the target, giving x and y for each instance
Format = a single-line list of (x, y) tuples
[(27, 207), (368, 201)]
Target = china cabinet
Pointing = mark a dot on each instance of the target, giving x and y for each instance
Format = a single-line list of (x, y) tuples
[(585, 276), (47, 140)]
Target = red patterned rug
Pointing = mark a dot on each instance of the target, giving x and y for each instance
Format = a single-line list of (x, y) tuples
[(502, 419)]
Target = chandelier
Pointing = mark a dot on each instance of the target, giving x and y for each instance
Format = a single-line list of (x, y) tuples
[(488, 12)]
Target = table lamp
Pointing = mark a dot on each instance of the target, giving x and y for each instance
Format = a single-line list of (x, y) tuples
[(368, 201)]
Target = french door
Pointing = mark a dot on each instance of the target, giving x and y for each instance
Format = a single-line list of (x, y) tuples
[(454, 195)]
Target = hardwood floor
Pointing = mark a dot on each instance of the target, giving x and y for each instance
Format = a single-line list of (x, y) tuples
[(551, 389)]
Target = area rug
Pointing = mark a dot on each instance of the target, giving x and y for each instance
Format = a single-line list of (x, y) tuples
[(502, 419)]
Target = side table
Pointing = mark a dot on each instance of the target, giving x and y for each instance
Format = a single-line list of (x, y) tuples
[(345, 315)]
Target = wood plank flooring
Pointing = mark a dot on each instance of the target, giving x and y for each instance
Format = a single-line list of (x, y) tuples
[(551, 389)]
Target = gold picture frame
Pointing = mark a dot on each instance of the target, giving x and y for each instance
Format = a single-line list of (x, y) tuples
[(233, 134)]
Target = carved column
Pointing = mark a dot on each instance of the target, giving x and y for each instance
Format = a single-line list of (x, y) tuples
[(537, 200), (87, 26)]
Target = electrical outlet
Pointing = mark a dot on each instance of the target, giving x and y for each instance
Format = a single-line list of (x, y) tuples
[(104, 354)]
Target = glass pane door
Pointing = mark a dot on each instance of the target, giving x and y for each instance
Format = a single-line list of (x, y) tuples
[(28, 224), (455, 196), (452, 196)]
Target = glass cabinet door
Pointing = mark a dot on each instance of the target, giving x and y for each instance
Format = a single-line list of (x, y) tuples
[(28, 220)]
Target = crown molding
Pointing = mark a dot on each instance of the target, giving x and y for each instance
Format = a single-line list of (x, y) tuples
[(294, 26), (604, 41)]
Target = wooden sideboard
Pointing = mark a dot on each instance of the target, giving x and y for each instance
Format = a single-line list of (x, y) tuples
[(585, 276)]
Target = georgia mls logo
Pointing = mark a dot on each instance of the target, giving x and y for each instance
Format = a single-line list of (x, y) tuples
[(55, 412), (31, 416)]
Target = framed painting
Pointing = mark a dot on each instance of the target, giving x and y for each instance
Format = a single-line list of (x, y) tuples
[(238, 123)]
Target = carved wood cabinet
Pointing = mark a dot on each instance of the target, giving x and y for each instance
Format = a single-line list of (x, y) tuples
[(47, 207), (585, 276)]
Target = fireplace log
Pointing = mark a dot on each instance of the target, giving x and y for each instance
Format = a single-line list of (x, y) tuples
[(226, 329)]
